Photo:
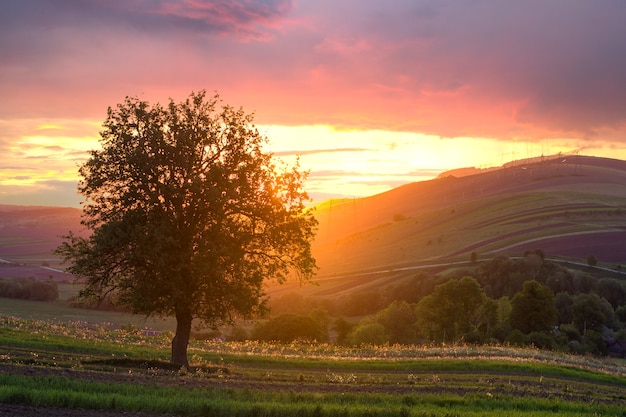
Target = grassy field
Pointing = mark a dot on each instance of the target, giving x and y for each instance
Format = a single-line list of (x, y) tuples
[(60, 312), (49, 366)]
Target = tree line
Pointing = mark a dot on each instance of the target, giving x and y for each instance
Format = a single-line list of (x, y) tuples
[(525, 301)]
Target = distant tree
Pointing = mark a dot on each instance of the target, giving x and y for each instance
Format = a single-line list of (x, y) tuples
[(533, 308), (564, 303), (188, 215), (504, 309), (398, 217), (429, 322), (612, 290), (452, 310), (487, 318), (516, 338), (590, 311), (29, 288), (541, 340), (584, 283), (286, 328), (399, 321), (342, 329), (502, 276), (368, 332), (594, 343), (560, 280), (473, 257), (591, 260), (620, 313)]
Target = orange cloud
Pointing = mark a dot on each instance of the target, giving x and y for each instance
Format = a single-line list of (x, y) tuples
[(450, 68)]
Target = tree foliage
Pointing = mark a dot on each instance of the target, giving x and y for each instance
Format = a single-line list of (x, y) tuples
[(533, 308), (399, 320), (28, 288), (453, 309), (188, 214), (590, 311)]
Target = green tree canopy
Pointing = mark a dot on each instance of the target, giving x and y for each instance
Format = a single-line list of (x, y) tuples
[(453, 309), (368, 332), (188, 215), (590, 311), (533, 308), (399, 320)]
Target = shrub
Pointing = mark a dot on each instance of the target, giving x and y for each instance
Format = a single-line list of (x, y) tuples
[(369, 333), (473, 337), (398, 217), (237, 334), (473, 257), (571, 332), (541, 340), (591, 311), (576, 347), (516, 338), (591, 260), (44, 291), (399, 322), (594, 343), (342, 329), (29, 289)]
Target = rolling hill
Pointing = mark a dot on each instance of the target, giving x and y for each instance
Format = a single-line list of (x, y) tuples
[(568, 206), (572, 207), (27, 237)]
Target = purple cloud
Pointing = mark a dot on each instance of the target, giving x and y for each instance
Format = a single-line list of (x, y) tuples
[(506, 69)]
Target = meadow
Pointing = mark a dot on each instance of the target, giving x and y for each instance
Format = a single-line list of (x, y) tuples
[(52, 366)]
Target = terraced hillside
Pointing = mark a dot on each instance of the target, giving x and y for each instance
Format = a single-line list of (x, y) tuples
[(571, 207)]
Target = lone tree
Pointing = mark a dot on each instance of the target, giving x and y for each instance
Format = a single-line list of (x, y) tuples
[(188, 215)]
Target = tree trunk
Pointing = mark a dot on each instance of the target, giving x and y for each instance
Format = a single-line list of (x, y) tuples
[(181, 340)]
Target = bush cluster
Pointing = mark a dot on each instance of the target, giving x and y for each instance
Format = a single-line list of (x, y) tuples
[(522, 301), (28, 288)]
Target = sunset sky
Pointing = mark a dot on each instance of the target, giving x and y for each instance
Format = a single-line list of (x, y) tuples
[(371, 94)]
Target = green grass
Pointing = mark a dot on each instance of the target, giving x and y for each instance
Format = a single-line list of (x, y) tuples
[(67, 393), (60, 312), (50, 364)]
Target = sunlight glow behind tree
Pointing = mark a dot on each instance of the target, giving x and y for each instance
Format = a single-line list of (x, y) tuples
[(188, 215)]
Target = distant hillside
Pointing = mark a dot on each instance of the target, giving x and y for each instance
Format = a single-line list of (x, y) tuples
[(464, 172), (569, 206), (29, 234)]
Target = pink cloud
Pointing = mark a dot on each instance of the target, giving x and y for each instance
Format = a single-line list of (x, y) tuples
[(529, 69)]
